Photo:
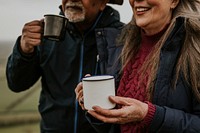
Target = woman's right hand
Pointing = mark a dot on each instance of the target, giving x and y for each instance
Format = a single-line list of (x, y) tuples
[(31, 36), (79, 95)]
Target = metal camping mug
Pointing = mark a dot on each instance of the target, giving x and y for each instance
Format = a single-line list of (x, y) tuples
[(54, 27), (97, 89)]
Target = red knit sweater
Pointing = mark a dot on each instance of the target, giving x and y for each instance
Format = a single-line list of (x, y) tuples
[(130, 87)]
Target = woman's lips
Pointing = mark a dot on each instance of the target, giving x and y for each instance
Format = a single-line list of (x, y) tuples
[(141, 10)]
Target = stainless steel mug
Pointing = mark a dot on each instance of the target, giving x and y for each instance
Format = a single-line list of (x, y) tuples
[(54, 27)]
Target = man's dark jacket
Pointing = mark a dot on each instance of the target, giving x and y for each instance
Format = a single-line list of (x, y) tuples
[(61, 65)]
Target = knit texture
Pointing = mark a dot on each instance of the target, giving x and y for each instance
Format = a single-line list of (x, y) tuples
[(134, 86)]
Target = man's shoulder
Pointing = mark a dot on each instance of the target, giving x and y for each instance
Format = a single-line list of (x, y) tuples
[(110, 18)]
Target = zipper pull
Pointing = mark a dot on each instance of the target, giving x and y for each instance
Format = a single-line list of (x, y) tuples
[(97, 58), (97, 64)]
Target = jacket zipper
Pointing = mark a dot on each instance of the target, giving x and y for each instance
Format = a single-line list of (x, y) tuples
[(80, 77), (80, 72)]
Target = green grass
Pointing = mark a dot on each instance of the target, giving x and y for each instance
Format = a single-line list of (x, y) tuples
[(27, 128)]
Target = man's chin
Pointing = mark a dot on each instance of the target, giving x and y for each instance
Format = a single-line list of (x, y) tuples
[(79, 20), (75, 17)]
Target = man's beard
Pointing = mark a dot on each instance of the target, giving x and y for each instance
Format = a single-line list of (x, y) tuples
[(75, 12)]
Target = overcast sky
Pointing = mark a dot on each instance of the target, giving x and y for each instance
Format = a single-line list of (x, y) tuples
[(15, 13)]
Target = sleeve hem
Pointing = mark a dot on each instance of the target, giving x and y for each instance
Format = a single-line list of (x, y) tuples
[(150, 114)]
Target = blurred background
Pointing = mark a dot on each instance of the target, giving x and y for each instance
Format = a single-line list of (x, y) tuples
[(18, 111)]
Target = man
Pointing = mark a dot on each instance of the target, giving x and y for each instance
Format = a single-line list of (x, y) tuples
[(88, 47)]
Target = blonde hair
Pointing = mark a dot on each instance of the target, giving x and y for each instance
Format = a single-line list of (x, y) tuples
[(189, 59)]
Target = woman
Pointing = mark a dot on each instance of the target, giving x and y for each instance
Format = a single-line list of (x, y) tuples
[(159, 89)]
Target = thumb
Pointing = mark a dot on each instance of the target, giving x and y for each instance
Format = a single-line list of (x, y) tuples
[(87, 75), (121, 100)]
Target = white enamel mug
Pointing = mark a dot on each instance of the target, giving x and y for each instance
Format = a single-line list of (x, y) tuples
[(97, 89)]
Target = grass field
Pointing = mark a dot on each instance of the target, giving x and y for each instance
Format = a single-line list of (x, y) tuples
[(18, 111)]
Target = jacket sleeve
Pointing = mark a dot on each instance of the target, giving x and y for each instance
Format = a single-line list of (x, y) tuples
[(22, 71), (169, 120), (102, 127)]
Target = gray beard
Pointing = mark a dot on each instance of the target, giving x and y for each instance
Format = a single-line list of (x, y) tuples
[(73, 17)]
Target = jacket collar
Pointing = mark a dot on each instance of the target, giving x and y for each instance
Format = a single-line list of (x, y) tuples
[(176, 35), (106, 18)]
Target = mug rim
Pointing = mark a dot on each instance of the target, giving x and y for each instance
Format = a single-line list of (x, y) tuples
[(98, 78), (55, 15)]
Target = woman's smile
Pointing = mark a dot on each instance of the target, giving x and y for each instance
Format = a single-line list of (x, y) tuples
[(141, 10)]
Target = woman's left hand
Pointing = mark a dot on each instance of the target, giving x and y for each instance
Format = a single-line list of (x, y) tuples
[(131, 110)]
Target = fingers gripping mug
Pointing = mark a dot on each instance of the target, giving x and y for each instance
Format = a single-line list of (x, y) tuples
[(54, 27), (97, 89)]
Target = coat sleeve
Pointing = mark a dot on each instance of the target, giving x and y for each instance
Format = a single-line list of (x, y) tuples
[(22, 71), (101, 127), (169, 120)]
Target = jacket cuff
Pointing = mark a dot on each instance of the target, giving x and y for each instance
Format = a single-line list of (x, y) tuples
[(24, 55), (158, 119)]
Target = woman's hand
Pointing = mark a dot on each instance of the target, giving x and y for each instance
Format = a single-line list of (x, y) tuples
[(79, 95), (131, 110)]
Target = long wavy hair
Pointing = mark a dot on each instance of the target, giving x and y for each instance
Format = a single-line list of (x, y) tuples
[(189, 60)]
